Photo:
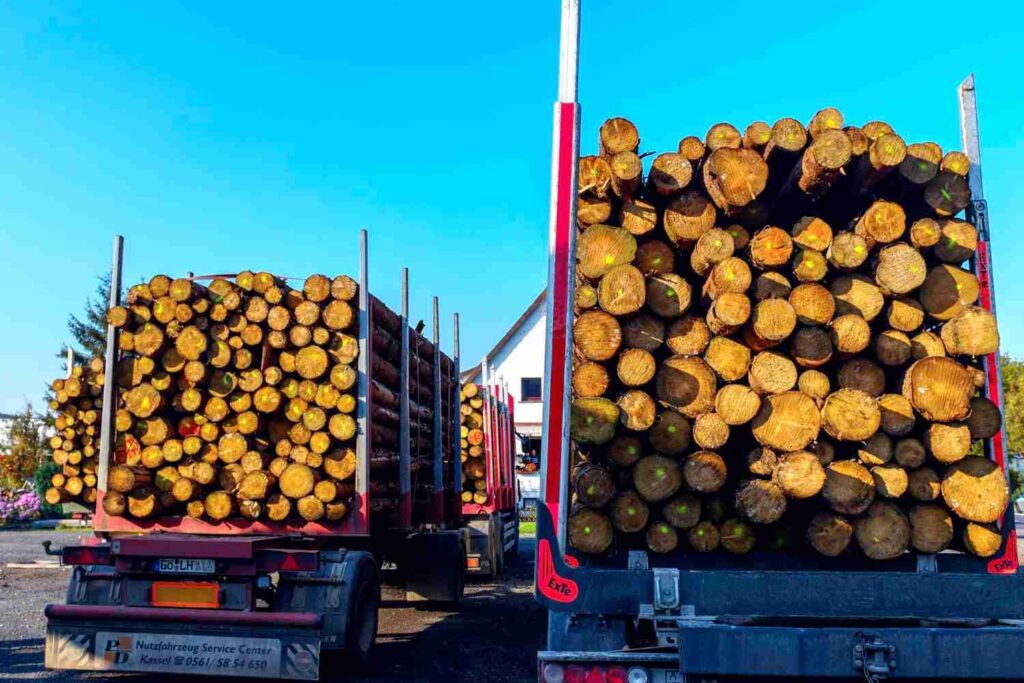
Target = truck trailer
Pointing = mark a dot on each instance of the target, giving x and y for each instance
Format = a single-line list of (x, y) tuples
[(494, 525), (294, 599), (638, 616)]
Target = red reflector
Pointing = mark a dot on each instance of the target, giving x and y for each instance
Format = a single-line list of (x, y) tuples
[(186, 594), (596, 675), (86, 555), (616, 675), (473, 562)]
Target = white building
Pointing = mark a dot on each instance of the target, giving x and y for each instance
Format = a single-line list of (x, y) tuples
[(518, 361)]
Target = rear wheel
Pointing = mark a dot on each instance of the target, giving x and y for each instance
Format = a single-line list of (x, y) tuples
[(361, 630)]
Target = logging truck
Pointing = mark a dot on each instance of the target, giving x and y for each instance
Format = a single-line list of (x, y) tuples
[(490, 489), (263, 452), (771, 448)]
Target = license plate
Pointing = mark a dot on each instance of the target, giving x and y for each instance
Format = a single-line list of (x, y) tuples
[(183, 566), (674, 677)]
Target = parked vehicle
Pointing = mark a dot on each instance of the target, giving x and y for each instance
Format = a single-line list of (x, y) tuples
[(246, 597)]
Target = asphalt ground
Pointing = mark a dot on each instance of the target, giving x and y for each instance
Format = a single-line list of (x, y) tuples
[(494, 637)]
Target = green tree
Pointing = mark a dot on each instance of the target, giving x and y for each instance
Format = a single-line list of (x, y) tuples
[(1013, 402), (44, 473), (23, 448), (90, 331)]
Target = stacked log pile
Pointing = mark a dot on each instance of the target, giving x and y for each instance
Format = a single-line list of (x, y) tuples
[(235, 400), (474, 462), (777, 344), (77, 408)]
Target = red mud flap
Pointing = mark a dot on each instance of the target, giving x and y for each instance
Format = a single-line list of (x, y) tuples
[(216, 643)]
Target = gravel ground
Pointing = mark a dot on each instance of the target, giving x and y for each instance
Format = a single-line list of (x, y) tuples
[(494, 637)]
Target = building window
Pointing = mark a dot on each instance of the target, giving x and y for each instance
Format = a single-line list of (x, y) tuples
[(530, 390)]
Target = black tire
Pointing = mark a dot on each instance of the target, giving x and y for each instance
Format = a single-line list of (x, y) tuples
[(360, 626)]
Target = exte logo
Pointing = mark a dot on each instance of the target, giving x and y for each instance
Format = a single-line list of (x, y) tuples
[(549, 583), (117, 650)]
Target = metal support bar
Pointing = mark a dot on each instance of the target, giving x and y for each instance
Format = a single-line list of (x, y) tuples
[(365, 403), (70, 360), (977, 212), (110, 361), (439, 483), (456, 415), (404, 448), (562, 237)]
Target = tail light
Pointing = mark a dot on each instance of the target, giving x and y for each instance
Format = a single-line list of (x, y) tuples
[(88, 555), (576, 674), (553, 673), (616, 675)]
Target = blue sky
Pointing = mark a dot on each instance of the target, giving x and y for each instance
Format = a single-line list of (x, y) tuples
[(221, 136)]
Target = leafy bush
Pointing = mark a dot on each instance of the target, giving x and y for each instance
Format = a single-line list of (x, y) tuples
[(42, 480)]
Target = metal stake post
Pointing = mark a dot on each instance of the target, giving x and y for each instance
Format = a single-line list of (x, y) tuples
[(981, 265), (110, 360), (562, 238), (456, 417), (439, 483), (404, 448), (365, 403)]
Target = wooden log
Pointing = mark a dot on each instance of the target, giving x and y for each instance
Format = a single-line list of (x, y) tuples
[(756, 136), (862, 374), (668, 295), (939, 389), (670, 434), (601, 247), (590, 531), (692, 148), (772, 373), (704, 537), (636, 410), (642, 331), (597, 335), (762, 461), (811, 347), (931, 528), (654, 258), (737, 537), (947, 194), (771, 285), (829, 533), (948, 442), (926, 345), (799, 474), (850, 333), (985, 419), (629, 512), (732, 275), (638, 217), (850, 415), (737, 404), (710, 431), (893, 348), (948, 290), (975, 489), (590, 379), (884, 533), (593, 420), (897, 414), (761, 501), (627, 171), (983, 540), (972, 332), (591, 210), (773, 320), (712, 247), (618, 135), (812, 303), (899, 269), (909, 453), (786, 422), (820, 166), (921, 163), (728, 312), (687, 385), (670, 174), (594, 485), (849, 487), (734, 178), (890, 480), (595, 176), (885, 154), (657, 477), (957, 243), (622, 290), (722, 136), (687, 217), (770, 247), (728, 358), (662, 538), (686, 336), (635, 367)]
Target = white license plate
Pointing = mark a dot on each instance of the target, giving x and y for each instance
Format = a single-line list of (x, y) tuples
[(183, 566)]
